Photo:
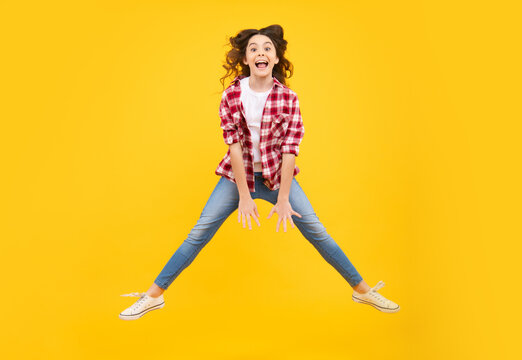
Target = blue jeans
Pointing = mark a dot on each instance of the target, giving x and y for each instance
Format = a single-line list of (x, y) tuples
[(224, 200)]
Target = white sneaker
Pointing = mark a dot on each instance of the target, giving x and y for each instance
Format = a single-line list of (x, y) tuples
[(143, 305), (375, 299)]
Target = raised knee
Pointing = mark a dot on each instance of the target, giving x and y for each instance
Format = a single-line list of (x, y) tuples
[(312, 225), (206, 226), (201, 231)]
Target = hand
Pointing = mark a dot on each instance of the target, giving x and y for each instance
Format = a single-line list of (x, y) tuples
[(284, 210), (247, 207)]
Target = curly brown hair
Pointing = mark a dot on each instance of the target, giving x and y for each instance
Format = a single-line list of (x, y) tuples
[(233, 60)]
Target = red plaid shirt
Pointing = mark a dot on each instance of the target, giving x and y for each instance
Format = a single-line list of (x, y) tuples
[(281, 132)]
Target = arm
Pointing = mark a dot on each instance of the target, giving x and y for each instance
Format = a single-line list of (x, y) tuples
[(289, 149), (247, 207), (295, 131), (287, 173), (283, 207), (230, 134), (236, 158), (231, 138)]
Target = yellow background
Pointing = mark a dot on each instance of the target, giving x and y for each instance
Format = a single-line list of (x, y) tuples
[(411, 158)]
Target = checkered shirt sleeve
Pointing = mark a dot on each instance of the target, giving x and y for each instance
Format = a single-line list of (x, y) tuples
[(295, 131), (230, 133)]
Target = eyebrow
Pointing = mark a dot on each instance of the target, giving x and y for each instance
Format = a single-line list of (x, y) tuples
[(267, 42)]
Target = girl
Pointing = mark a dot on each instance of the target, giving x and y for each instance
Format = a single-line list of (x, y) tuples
[(261, 123)]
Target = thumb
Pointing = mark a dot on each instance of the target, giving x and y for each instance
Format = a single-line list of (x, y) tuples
[(297, 214)]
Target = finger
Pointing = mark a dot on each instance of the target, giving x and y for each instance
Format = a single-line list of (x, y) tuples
[(257, 213), (284, 224), (243, 218), (278, 222), (292, 222), (256, 220), (271, 212), (297, 214), (249, 222)]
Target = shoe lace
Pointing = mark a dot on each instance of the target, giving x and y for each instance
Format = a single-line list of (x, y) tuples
[(373, 292), (138, 294), (379, 285), (141, 296)]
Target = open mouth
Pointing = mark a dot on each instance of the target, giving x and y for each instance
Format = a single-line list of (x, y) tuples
[(261, 64)]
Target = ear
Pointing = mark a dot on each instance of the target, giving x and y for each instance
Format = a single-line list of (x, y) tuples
[(277, 60), (244, 61)]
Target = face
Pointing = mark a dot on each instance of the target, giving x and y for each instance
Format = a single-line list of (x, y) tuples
[(260, 49)]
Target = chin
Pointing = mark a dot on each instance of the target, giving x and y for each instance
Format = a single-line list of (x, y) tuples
[(262, 74)]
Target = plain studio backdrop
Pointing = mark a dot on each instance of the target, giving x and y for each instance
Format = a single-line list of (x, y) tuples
[(110, 138)]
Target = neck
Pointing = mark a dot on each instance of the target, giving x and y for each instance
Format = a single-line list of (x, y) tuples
[(260, 84)]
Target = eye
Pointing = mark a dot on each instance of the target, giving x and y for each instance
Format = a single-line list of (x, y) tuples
[(268, 48), (252, 49)]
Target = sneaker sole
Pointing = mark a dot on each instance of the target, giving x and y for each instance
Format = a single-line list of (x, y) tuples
[(138, 315), (386, 310)]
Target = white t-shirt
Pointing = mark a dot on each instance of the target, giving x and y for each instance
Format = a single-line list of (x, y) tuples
[(253, 104)]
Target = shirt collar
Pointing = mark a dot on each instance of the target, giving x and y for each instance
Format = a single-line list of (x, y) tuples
[(239, 77)]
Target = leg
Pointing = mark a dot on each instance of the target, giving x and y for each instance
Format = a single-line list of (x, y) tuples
[(223, 201), (314, 231), (362, 287)]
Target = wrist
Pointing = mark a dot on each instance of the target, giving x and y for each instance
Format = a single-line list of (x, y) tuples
[(282, 198), (245, 195)]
